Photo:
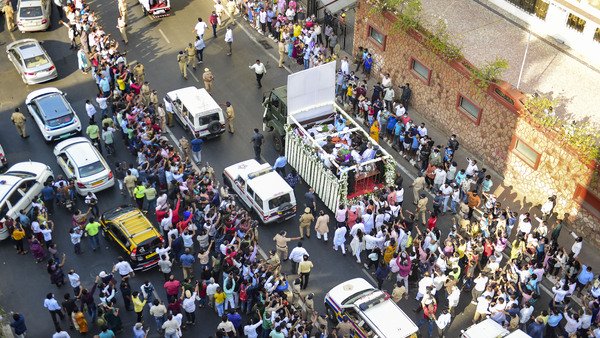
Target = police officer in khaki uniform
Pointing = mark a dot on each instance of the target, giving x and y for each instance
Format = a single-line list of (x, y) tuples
[(282, 53), (138, 73), (154, 98), (190, 51), (185, 145), (281, 244), (181, 60), (230, 116), (145, 91), (274, 262), (305, 220), (18, 119), (9, 15), (208, 79)]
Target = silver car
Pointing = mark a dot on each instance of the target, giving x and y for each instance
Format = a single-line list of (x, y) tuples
[(31, 61), (53, 114), (33, 15)]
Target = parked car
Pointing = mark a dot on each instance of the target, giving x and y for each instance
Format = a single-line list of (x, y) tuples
[(31, 61), (33, 15), (134, 234), (197, 111), (53, 114), (81, 161), (19, 186)]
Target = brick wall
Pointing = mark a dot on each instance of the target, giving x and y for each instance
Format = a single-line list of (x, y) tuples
[(542, 168)]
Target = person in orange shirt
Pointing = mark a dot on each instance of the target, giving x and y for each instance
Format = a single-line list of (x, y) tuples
[(473, 201)]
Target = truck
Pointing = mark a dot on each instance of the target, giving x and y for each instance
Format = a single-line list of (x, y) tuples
[(324, 144)]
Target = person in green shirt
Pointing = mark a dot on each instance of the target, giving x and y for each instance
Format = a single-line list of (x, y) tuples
[(93, 132), (151, 194), (139, 192), (93, 229)]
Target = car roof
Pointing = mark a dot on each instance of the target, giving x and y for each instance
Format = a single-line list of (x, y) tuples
[(196, 100), (132, 223), (7, 183), (269, 185), (80, 150), (487, 328), (41, 92), (30, 167), (389, 320), (348, 288), (242, 169), (25, 47)]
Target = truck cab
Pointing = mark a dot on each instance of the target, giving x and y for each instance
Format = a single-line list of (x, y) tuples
[(197, 111), (371, 311), (261, 189), (275, 115)]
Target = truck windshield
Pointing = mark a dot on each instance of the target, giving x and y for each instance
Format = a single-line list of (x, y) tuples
[(279, 201)]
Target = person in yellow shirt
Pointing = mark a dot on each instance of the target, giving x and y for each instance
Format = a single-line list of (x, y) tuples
[(17, 235), (139, 192), (304, 269), (297, 30), (220, 301), (138, 305)]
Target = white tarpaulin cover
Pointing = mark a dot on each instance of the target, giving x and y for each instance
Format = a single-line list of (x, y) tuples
[(311, 88)]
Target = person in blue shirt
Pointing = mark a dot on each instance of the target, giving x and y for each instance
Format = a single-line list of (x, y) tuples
[(368, 65), (584, 278), (48, 196), (187, 263), (196, 144), (280, 164), (18, 324), (106, 333), (554, 319), (391, 125), (236, 319), (536, 328), (398, 135)]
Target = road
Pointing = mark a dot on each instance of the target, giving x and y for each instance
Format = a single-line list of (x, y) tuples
[(155, 43)]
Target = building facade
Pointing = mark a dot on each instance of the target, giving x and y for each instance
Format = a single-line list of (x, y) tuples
[(533, 161)]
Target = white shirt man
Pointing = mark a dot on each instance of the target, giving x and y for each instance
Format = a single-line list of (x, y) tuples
[(74, 280), (344, 66), (525, 313), (443, 320), (123, 267), (200, 28), (259, 68), (471, 167), (250, 329), (102, 103), (297, 253), (90, 110)]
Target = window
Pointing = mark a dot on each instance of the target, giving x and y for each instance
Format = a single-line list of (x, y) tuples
[(526, 153), (587, 200), (468, 108), (376, 36), (420, 70), (575, 22), (597, 35), (537, 7)]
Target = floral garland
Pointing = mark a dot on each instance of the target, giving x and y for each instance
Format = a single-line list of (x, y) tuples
[(390, 171), (343, 188)]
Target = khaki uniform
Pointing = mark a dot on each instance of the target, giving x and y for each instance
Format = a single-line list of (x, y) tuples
[(129, 181), (145, 91), (208, 79), (275, 263), (122, 26), (19, 121), (422, 208), (138, 73), (282, 53), (181, 60), (281, 244), (418, 185), (190, 51), (123, 9), (305, 221), (230, 114), (162, 116), (154, 98), (322, 225), (9, 15), (185, 145)]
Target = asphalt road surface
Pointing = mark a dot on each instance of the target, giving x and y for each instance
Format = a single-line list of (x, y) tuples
[(155, 43)]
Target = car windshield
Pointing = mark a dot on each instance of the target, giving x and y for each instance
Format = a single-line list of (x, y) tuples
[(91, 169), (204, 120), (149, 246), (279, 201), (54, 110), (30, 12), (36, 61)]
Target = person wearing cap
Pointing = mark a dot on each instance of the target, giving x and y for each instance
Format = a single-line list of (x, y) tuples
[(281, 244), (306, 220), (139, 332), (189, 304), (208, 79), (230, 116), (182, 62), (422, 206)]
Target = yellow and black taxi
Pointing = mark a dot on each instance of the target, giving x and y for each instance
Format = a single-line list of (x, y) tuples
[(133, 233)]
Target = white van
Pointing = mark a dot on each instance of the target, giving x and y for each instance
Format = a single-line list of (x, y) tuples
[(261, 189), (371, 311), (197, 111), (488, 328)]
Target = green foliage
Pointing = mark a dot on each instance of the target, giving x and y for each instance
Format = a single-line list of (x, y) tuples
[(408, 12), (441, 43), (584, 137), (489, 73)]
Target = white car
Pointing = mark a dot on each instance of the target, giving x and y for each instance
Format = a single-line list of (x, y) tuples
[(33, 15), (19, 186), (81, 161), (197, 111), (31, 61), (53, 114)]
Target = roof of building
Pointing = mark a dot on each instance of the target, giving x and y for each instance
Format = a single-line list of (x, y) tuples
[(485, 33)]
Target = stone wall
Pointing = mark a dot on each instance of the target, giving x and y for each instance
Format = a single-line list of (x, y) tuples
[(492, 136)]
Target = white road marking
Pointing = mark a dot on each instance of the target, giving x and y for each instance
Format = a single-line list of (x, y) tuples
[(194, 76), (164, 35)]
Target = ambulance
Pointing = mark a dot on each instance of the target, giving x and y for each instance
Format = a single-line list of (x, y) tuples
[(371, 311), (262, 190)]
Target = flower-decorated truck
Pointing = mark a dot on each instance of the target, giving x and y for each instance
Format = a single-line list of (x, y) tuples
[(324, 144)]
